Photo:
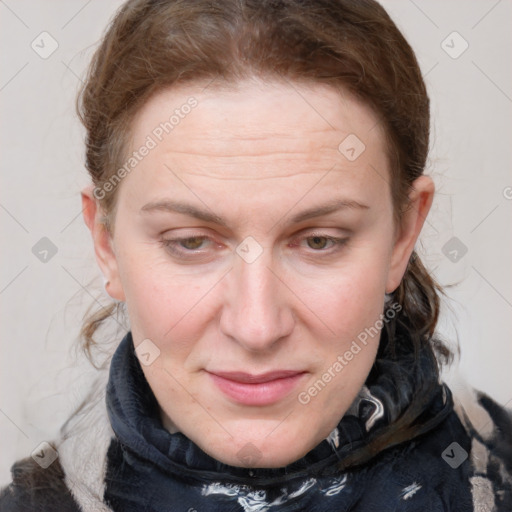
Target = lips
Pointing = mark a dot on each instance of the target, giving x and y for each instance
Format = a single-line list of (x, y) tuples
[(257, 390)]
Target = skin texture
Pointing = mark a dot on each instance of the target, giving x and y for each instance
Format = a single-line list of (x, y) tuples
[(256, 153)]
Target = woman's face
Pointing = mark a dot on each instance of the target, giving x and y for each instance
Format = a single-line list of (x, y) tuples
[(253, 244)]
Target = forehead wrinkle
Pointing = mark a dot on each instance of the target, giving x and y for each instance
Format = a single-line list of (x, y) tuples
[(252, 178), (256, 132), (255, 167), (259, 154), (238, 148), (251, 168)]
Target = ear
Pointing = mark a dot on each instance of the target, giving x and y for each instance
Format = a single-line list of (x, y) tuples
[(103, 242), (413, 218)]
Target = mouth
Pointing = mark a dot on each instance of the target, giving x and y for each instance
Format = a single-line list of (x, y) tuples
[(257, 390)]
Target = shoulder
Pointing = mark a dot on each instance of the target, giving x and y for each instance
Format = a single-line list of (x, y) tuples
[(419, 474), (489, 426), (464, 463), (34, 488), (74, 481)]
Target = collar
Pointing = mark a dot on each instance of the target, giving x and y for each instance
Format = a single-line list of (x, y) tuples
[(393, 389)]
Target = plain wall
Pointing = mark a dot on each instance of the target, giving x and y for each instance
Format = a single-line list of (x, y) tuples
[(42, 302)]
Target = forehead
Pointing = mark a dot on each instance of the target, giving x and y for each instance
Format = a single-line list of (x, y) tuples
[(258, 132)]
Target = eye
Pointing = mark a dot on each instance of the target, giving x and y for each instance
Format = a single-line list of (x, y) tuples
[(188, 246), (317, 242), (192, 243), (323, 243)]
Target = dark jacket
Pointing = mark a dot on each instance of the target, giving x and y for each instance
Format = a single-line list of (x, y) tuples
[(386, 454)]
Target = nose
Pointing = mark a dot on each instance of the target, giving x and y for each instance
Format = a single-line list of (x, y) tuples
[(257, 312)]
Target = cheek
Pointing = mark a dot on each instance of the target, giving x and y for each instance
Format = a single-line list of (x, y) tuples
[(350, 303), (352, 309), (170, 309), (350, 297)]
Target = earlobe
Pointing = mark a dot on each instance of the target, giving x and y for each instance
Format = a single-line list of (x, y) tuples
[(102, 240), (411, 223)]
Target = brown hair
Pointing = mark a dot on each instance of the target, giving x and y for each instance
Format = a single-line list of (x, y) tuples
[(348, 44)]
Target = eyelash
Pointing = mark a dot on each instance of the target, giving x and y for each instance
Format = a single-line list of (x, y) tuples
[(171, 244)]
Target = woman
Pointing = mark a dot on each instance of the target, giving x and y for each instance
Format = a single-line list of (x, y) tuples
[(257, 193)]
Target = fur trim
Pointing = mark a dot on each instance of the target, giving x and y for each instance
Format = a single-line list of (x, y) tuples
[(35, 489), (490, 428), (83, 446)]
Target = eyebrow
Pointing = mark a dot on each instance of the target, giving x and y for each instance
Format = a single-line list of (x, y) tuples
[(167, 205)]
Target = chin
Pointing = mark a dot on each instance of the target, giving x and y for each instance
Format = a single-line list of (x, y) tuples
[(266, 448)]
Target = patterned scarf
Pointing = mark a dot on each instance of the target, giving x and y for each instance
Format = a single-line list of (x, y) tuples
[(150, 469)]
